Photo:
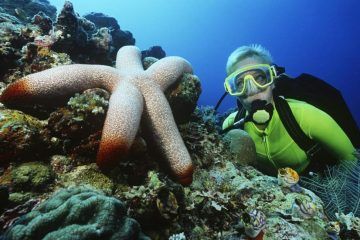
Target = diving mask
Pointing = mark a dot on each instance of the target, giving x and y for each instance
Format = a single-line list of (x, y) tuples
[(262, 75)]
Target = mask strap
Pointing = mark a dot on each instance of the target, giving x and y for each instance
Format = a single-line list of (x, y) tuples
[(279, 70)]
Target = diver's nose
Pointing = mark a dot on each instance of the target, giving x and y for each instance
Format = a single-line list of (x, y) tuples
[(251, 87)]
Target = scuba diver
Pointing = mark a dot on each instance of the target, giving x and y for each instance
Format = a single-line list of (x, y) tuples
[(287, 131)]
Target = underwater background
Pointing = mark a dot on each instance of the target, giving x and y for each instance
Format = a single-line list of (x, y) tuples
[(62, 176), (317, 37)]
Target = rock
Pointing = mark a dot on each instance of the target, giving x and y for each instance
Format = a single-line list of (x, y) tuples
[(102, 41), (155, 51), (76, 129), (183, 97), (4, 196), (148, 61), (17, 198), (61, 164), (242, 146), (73, 37), (9, 33), (43, 21), (32, 176), (119, 38), (282, 229), (5, 17), (205, 144), (156, 204), (87, 175), (93, 39), (102, 20), (20, 137), (12, 214), (225, 188)]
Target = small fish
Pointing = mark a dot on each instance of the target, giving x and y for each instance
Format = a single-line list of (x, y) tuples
[(287, 177), (304, 208), (254, 223), (333, 230)]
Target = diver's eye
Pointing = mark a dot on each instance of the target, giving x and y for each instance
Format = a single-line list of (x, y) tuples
[(239, 81), (261, 79)]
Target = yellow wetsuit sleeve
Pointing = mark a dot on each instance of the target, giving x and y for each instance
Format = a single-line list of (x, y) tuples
[(229, 121), (323, 129)]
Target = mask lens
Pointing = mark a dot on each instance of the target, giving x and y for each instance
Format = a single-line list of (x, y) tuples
[(235, 85), (239, 82), (260, 75), (261, 78)]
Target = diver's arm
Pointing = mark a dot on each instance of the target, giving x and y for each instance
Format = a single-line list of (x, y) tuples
[(322, 128)]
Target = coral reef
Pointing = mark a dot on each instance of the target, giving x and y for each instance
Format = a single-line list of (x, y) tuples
[(155, 51), (205, 144), (338, 187), (19, 136), (11, 215), (94, 38), (4, 196), (33, 176), (119, 38), (228, 199), (183, 97), (221, 197), (349, 226), (76, 128), (26, 9), (87, 175), (77, 213), (43, 36), (44, 22), (12, 37), (155, 204)]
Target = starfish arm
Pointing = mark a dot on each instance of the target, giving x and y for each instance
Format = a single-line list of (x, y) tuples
[(128, 60), (121, 124), (58, 83), (160, 119), (167, 70)]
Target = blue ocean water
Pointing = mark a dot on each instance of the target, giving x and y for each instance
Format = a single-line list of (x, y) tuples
[(317, 37)]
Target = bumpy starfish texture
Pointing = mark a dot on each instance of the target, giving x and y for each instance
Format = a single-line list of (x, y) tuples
[(133, 91)]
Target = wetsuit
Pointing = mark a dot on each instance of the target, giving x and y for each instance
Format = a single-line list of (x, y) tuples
[(276, 149)]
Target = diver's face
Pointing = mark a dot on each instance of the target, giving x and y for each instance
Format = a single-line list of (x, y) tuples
[(253, 92)]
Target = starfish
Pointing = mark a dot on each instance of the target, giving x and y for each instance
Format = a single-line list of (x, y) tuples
[(133, 91)]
